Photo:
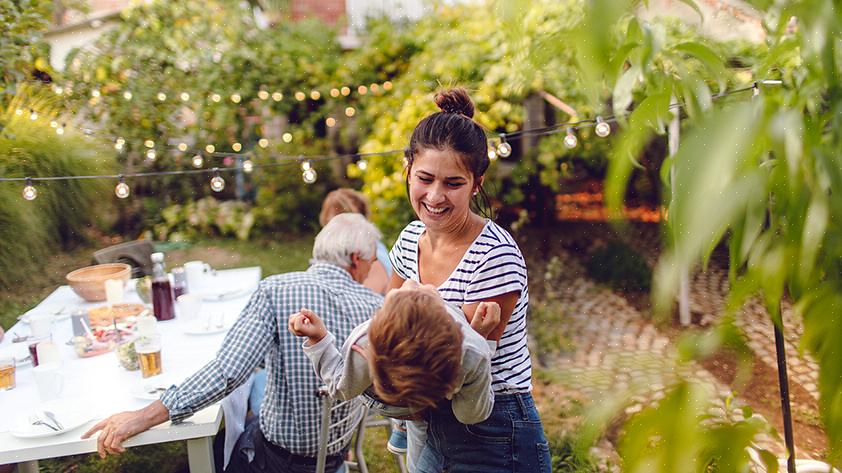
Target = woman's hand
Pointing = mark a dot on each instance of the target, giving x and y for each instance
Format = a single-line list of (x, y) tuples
[(305, 323), (486, 318)]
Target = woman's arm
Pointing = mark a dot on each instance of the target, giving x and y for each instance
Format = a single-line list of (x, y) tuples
[(377, 280), (507, 304)]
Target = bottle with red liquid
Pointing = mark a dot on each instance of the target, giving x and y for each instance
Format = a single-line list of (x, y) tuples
[(162, 294)]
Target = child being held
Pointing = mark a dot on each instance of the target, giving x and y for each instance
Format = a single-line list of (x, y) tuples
[(416, 352)]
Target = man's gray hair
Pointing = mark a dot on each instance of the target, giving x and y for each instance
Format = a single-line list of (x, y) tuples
[(344, 235)]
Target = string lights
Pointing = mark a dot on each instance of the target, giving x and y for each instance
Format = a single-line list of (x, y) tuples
[(503, 148)]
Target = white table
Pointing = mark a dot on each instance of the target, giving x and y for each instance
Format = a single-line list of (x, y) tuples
[(99, 382)]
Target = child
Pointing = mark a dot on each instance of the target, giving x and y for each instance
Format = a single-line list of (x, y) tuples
[(413, 354)]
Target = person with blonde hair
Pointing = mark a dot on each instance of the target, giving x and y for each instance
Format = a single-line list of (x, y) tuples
[(345, 200), (415, 353)]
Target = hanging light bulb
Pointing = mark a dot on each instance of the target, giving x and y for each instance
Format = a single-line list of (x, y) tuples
[(334, 92), (350, 111), (217, 183), (149, 143), (263, 95), (300, 96), (182, 147), (162, 96), (127, 95), (315, 95), (287, 137), (151, 155), (248, 166), (33, 115), (210, 149), (59, 90), (29, 191), (570, 140), (492, 153), (309, 176), (330, 121), (345, 91), (362, 90), (387, 85), (54, 124), (216, 97), (198, 160), (374, 88), (60, 129), (237, 147), (119, 143), (504, 149), (306, 166), (184, 96), (122, 189), (236, 98), (277, 96), (19, 112), (263, 142), (95, 93), (603, 129), (362, 164)]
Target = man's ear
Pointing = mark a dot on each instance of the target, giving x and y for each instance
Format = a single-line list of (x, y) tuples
[(355, 260)]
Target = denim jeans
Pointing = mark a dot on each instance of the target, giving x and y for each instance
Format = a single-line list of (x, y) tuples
[(511, 440)]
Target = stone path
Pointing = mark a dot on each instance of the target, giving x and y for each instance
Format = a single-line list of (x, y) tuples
[(615, 348)]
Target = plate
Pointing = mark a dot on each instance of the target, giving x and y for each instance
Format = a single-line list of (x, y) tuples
[(58, 313), (224, 294), (202, 328), (71, 416), (150, 389), (18, 351)]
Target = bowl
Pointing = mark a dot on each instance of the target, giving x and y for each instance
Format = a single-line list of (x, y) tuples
[(89, 282)]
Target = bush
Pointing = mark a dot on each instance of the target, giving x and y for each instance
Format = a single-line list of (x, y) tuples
[(205, 217), (619, 266)]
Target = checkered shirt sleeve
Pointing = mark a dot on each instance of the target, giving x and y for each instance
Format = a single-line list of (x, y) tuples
[(291, 413)]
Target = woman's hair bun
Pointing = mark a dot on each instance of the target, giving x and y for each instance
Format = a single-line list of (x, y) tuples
[(455, 100)]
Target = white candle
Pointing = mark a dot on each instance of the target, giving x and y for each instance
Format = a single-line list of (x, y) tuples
[(114, 291)]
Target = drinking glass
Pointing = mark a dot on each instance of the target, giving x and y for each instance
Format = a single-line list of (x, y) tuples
[(148, 348), (7, 373)]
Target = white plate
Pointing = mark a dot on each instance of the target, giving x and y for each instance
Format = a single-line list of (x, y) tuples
[(200, 328), (224, 294), (19, 351), (71, 416), (63, 315), (150, 389)]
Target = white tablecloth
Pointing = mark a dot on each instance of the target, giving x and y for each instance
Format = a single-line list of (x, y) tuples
[(99, 382)]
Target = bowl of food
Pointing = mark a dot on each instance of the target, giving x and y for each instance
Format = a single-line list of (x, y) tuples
[(89, 282)]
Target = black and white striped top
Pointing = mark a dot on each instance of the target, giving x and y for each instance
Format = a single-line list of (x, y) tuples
[(492, 266)]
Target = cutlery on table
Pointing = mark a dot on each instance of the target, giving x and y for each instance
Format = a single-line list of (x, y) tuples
[(154, 389), (35, 420), (52, 417)]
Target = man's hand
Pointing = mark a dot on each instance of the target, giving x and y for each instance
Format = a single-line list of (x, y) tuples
[(305, 323), (486, 318), (118, 428)]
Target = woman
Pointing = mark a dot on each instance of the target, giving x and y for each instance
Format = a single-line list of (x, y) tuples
[(470, 259)]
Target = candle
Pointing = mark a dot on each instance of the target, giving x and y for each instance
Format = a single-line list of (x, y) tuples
[(114, 291)]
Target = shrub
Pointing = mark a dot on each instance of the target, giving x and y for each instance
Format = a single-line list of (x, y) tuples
[(205, 217), (619, 266)]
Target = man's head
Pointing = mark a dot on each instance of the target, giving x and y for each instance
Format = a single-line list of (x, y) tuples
[(342, 200), (348, 241), (415, 348)]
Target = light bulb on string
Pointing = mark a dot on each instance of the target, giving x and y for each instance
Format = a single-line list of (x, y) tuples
[(345, 91), (300, 96), (309, 176), (504, 149), (119, 143), (315, 95), (362, 90), (362, 164), (149, 143), (350, 111), (210, 149), (306, 165), (570, 140), (198, 160), (95, 93), (217, 183), (29, 191), (236, 98), (602, 128), (277, 96), (53, 124), (248, 166), (182, 147), (263, 142), (237, 147), (387, 85), (151, 155), (492, 153), (60, 129), (330, 122), (184, 96), (122, 189), (287, 137), (162, 96), (263, 95), (334, 92), (374, 88), (19, 112), (127, 95), (33, 115), (58, 90), (216, 97)]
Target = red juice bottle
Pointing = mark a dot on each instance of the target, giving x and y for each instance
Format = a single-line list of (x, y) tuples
[(162, 294)]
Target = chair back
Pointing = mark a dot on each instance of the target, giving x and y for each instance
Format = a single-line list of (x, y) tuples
[(137, 254), (340, 421)]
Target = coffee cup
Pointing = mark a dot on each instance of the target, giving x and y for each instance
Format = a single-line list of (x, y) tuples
[(195, 272), (188, 306), (40, 325), (49, 380)]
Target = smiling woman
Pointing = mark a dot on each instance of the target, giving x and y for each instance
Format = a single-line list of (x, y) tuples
[(469, 259)]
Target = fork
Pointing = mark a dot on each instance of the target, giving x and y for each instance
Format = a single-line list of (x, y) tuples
[(35, 420), (52, 417)]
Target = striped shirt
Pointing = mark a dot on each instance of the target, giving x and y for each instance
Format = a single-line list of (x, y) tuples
[(291, 413), (492, 266)]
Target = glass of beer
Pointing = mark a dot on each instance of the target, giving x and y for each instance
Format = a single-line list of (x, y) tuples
[(7, 373), (148, 348)]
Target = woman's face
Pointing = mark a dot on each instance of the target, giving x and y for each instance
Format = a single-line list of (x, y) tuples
[(440, 189)]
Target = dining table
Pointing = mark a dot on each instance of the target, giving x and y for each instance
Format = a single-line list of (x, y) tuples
[(93, 388)]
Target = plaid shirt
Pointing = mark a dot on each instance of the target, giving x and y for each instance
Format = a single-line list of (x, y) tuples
[(291, 412)]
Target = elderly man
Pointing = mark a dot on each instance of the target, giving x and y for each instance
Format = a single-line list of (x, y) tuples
[(286, 439)]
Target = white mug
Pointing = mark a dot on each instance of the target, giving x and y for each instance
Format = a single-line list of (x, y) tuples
[(195, 272), (49, 380), (40, 325), (188, 306)]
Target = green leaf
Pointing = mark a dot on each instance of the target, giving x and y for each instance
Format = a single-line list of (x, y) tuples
[(709, 58)]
